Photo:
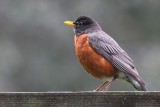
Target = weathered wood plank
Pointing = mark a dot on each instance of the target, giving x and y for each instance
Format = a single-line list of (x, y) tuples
[(80, 99)]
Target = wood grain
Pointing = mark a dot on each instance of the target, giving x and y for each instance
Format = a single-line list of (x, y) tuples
[(80, 99)]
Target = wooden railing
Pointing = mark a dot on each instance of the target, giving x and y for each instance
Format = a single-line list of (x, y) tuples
[(80, 99)]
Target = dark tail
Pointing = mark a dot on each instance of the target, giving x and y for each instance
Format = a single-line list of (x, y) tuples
[(138, 84)]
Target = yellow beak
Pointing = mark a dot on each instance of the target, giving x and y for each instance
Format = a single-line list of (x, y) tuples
[(69, 23)]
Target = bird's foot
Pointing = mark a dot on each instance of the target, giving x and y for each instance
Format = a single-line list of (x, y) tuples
[(94, 91)]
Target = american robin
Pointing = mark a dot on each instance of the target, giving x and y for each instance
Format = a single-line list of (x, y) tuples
[(101, 56)]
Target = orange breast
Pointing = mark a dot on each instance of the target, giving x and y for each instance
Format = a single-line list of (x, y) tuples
[(93, 62)]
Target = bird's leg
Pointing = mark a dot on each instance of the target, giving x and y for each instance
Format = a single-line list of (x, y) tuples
[(109, 85), (101, 86)]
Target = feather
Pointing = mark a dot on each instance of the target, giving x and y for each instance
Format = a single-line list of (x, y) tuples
[(111, 51)]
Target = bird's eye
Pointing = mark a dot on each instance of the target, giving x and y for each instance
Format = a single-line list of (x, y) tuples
[(81, 23)]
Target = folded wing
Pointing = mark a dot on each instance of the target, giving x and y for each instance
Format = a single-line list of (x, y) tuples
[(111, 51)]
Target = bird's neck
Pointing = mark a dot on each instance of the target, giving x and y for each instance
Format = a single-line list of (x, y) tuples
[(88, 30)]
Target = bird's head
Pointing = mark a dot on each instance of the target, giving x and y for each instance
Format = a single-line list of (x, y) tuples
[(84, 24)]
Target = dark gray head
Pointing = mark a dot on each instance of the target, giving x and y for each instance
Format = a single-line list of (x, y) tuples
[(85, 24)]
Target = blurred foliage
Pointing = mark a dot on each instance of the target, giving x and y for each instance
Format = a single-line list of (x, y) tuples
[(37, 49)]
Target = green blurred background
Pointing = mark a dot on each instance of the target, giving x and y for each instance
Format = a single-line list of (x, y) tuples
[(37, 49)]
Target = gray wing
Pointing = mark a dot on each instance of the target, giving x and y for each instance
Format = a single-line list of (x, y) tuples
[(110, 50)]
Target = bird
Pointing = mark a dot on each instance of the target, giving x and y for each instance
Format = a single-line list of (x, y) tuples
[(101, 56)]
